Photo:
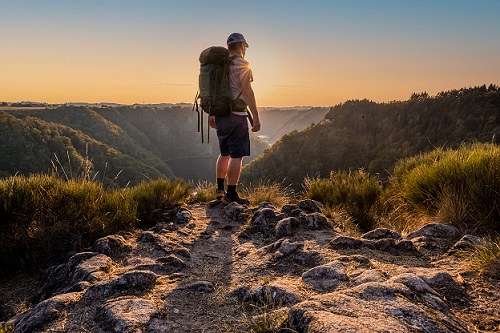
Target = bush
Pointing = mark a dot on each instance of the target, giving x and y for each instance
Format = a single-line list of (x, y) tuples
[(355, 193), (460, 187), (42, 217)]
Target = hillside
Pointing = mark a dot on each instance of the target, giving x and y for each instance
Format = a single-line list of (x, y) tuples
[(278, 122), (141, 142), (373, 136), (234, 269)]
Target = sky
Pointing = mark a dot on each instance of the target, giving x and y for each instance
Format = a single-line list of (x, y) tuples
[(302, 53)]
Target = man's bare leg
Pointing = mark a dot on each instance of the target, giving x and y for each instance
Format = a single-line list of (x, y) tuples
[(233, 171)]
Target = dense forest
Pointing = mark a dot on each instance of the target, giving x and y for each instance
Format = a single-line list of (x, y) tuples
[(373, 136), (136, 143)]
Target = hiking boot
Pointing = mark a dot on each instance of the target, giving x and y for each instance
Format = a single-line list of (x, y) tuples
[(241, 201), (219, 193)]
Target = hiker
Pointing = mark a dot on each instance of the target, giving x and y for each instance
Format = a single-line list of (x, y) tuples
[(232, 129)]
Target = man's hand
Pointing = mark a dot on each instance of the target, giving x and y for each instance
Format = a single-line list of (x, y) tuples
[(212, 121), (256, 124)]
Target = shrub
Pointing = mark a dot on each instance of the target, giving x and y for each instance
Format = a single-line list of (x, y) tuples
[(42, 216), (460, 187), (355, 193)]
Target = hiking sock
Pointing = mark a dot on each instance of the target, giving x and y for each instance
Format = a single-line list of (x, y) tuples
[(220, 183), (231, 191)]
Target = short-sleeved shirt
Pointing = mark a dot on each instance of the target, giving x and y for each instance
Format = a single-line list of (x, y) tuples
[(238, 70)]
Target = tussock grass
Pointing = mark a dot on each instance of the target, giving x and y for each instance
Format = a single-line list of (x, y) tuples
[(266, 316), (204, 192), (355, 193), (459, 187), (42, 217), (271, 192), (485, 258)]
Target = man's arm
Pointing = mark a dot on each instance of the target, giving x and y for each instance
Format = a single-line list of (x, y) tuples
[(247, 92)]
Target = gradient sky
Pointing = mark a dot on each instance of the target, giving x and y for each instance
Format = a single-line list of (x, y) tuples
[(311, 52)]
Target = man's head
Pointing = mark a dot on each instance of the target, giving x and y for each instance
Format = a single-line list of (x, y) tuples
[(236, 41)]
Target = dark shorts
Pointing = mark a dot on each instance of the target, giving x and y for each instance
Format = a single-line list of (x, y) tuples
[(232, 132)]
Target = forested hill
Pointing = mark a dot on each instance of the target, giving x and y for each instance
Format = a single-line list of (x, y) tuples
[(373, 136), (138, 143), (277, 122)]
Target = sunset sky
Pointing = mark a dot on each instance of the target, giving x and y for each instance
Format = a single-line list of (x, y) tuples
[(312, 52)]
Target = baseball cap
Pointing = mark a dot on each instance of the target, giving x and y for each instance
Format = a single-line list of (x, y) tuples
[(236, 38)]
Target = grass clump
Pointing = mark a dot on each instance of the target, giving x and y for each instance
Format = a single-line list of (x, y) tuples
[(459, 187), (267, 191), (485, 258), (42, 217), (204, 192), (354, 193), (266, 316)]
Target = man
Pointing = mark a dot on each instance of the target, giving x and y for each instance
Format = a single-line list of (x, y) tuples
[(232, 129)]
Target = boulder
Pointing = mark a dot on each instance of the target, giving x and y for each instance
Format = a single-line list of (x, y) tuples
[(236, 211), (125, 315), (315, 221), (284, 227), (45, 312), (381, 233), (114, 246), (264, 221), (326, 277), (310, 206), (436, 230), (467, 242), (130, 281)]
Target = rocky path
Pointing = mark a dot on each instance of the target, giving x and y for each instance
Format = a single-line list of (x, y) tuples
[(232, 269)]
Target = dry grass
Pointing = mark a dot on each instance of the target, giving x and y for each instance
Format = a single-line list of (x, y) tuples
[(485, 259), (343, 222), (267, 191)]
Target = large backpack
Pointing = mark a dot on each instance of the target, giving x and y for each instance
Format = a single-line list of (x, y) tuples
[(214, 91)]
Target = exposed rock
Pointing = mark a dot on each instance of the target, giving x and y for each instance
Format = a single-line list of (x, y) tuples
[(45, 312), (286, 247), (81, 267), (371, 275), (130, 281), (92, 269), (326, 277), (236, 212), (380, 233), (436, 230), (284, 227), (125, 315), (201, 286), (114, 246), (276, 294), (316, 221), (443, 283), (158, 241), (288, 208), (403, 304), (264, 221), (164, 265), (310, 206), (182, 216), (345, 242), (392, 246), (467, 242)]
